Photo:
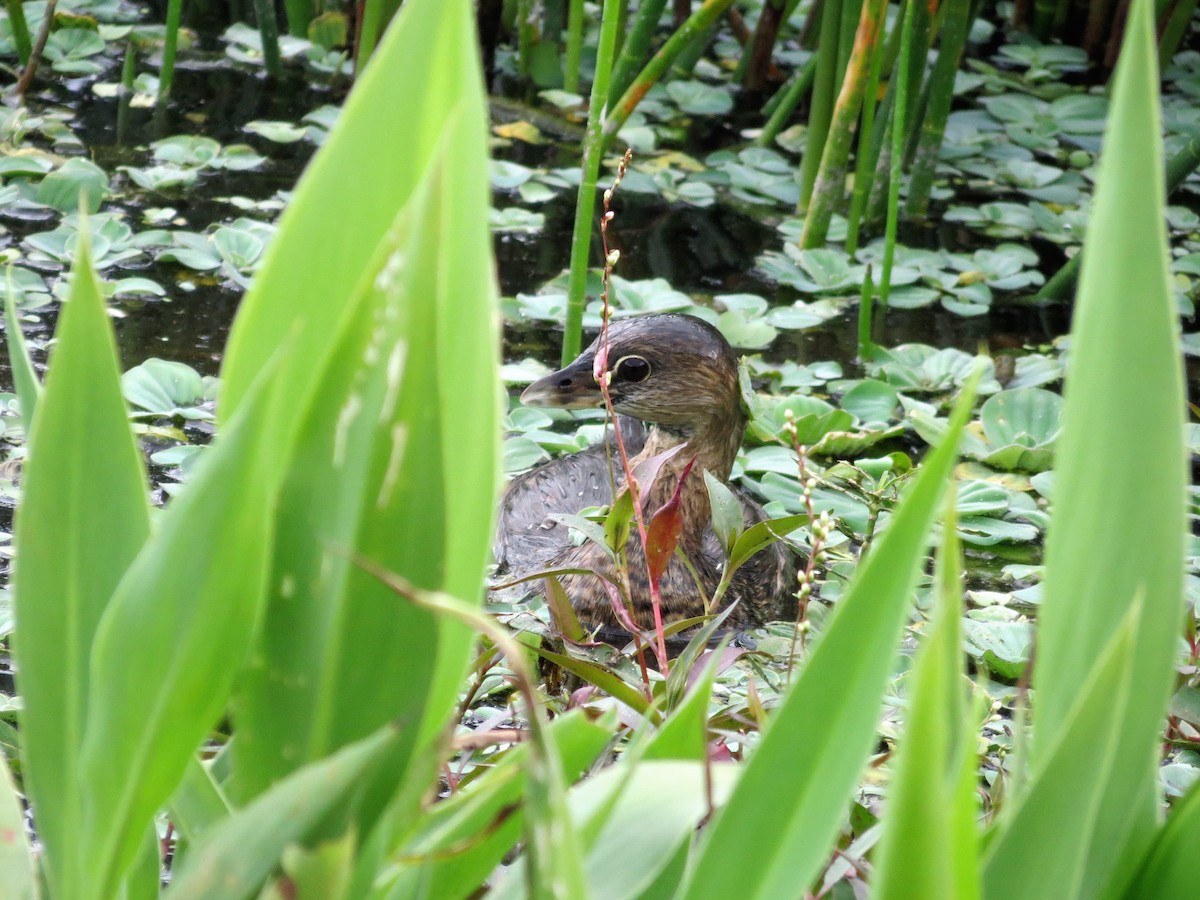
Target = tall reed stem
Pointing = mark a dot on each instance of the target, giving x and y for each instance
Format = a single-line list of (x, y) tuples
[(166, 74), (821, 109), (694, 29), (955, 27), (20, 30), (585, 200), (636, 46), (830, 188), (574, 46), (268, 27), (899, 125)]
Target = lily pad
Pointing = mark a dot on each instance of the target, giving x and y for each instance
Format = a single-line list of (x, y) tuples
[(164, 388)]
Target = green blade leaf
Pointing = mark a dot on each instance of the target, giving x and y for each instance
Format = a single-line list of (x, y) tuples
[(1118, 526), (170, 644), (16, 855), (25, 379), (812, 754), (726, 512), (384, 140), (927, 848), (236, 857), (83, 519), (1170, 868), (1030, 856), (461, 840), (396, 460), (396, 454)]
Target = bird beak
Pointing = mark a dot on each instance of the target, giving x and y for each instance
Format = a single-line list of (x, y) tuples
[(571, 388)]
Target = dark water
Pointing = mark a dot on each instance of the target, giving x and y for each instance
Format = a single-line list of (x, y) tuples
[(699, 251)]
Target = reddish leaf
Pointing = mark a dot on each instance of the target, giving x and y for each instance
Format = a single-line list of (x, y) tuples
[(662, 534), (618, 606), (646, 471)]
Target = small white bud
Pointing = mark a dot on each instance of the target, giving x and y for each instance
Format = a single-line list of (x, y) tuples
[(613, 256)]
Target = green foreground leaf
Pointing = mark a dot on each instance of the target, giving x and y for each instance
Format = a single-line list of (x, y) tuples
[(83, 519), (814, 749)]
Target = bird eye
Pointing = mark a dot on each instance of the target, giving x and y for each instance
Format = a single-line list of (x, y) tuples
[(631, 369)]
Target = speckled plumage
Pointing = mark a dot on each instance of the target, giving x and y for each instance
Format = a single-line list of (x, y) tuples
[(680, 375)]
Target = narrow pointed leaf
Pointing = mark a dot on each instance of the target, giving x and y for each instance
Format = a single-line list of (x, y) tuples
[(25, 379), (170, 644), (383, 143), (83, 518), (1120, 476), (1030, 856), (928, 844), (813, 751), (234, 859), (396, 460)]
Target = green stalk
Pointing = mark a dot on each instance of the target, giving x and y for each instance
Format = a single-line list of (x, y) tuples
[(268, 27), (851, 14), (524, 37), (375, 17), (821, 110), (783, 104), (866, 300), (955, 28), (25, 380), (863, 160), (166, 74), (1179, 167), (299, 14), (636, 46), (696, 26), (585, 202), (873, 136), (830, 188), (128, 70), (898, 130), (1048, 16), (574, 47), (917, 50), (1175, 28), (685, 63), (20, 30)]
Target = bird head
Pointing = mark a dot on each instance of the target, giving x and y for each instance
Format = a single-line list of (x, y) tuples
[(674, 371)]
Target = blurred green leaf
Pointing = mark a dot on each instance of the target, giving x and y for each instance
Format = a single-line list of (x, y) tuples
[(235, 858), (17, 860), (83, 519), (461, 840), (1116, 538), (1040, 845), (1170, 867), (800, 776), (1119, 493), (396, 451), (928, 847), (171, 642)]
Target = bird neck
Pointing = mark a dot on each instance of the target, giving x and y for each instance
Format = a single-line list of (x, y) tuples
[(713, 447)]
